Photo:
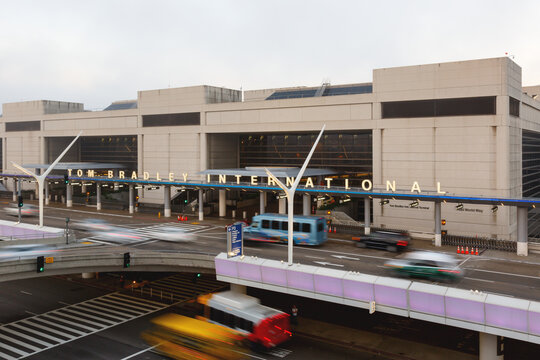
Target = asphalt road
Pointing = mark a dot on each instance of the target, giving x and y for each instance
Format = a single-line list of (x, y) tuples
[(495, 274)]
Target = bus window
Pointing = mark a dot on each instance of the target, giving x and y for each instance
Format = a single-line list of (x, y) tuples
[(284, 225), (275, 225), (266, 224), (295, 226), (320, 226), (306, 228)]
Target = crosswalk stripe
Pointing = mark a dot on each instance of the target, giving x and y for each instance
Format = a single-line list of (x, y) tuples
[(127, 298), (62, 313), (64, 321), (129, 306), (12, 349), (55, 325), (108, 313), (47, 336), (7, 357), (48, 329), (26, 337), (126, 312), (104, 322), (20, 343)]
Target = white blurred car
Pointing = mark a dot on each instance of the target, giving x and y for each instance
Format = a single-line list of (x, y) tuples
[(26, 210), (93, 225), (170, 233)]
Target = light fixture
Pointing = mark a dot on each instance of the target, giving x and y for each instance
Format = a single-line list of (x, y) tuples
[(459, 206), (494, 209), (384, 201)]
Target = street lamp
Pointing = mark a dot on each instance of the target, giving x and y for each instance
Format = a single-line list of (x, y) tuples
[(41, 178), (290, 195)]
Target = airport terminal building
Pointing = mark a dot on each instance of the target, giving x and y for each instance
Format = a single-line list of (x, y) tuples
[(464, 128)]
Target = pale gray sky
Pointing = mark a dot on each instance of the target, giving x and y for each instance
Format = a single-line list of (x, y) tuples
[(99, 51)]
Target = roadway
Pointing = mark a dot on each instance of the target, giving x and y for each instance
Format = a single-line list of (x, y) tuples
[(492, 272)]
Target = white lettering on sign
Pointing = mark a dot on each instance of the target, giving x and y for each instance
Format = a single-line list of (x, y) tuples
[(366, 185), (110, 174), (157, 177), (222, 179), (290, 181), (79, 173), (122, 174), (171, 176), (90, 173), (253, 180), (184, 175), (391, 185), (207, 177), (69, 172), (146, 175), (238, 178), (415, 187), (134, 175), (309, 182), (328, 181), (439, 189), (271, 181), (347, 184)]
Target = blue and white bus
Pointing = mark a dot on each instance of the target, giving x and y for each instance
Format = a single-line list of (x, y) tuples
[(307, 230)]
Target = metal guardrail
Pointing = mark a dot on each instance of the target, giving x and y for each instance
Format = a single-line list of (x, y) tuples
[(482, 243)]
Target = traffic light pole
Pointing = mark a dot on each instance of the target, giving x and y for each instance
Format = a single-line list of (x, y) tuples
[(41, 178), (19, 185)]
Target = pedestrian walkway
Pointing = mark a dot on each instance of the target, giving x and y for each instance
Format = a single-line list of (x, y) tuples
[(32, 335)]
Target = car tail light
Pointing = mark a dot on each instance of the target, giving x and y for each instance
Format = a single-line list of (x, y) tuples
[(449, 271), (357, 238), (402, 243)]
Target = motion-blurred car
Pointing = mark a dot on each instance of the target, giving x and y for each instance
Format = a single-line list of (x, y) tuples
[(169, 233), (26, 210), (387, 240), (428, 265), (118, 234), (25, 250), (93, 225)]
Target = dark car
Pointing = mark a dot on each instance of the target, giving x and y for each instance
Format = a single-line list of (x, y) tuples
[(387, 240)]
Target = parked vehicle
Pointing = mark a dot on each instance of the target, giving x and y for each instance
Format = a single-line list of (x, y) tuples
[(387, 240), (428, 265)]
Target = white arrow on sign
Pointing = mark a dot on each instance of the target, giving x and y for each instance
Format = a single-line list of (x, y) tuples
[(345, 257), (327, 263)]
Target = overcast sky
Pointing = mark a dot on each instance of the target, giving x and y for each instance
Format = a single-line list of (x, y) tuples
[(96, 52)]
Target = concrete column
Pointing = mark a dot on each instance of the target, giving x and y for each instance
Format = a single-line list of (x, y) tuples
[(522, 231), (438, 240), (488, 347), (306, 204), (262, 201), (367, 216), (222, 203), (201, 205), (14, 189), (131, 197), (282, 206), (98, 196), (240, 289), (46, 185), (166, 201), (69, 195)]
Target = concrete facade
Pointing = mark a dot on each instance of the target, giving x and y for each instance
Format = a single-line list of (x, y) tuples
[(467, 155)]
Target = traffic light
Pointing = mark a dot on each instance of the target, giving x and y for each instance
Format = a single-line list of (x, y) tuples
[(66, 179), (185, 201), (196, 277), (20, 201), (40, 264), (443, 222), (127, 260)]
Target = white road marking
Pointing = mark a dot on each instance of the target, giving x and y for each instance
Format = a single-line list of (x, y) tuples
[(89, 212), (324, 263), (345, 257), (140, 352), (314, 257), (503, 273), (475, 279), (26, 292), (464, 261)]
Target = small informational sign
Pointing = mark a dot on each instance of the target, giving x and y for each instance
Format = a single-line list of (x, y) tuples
[(235, 237), (49, 260)]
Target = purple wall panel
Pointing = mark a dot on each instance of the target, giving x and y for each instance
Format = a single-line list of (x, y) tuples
[(427, 303), (357, 290), (506, 317), (226, 267), (465, 309), (391, 296), (249, 271), (274, 276), (534, 323), (300, 280), (328, 285)]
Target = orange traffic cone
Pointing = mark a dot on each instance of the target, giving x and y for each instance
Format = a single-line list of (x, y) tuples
[(178, 217), (467, 250), (462, 250), (476, 251), (335, 229), (457, 252)]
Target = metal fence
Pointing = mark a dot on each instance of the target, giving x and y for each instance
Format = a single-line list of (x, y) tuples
[(482, 243)]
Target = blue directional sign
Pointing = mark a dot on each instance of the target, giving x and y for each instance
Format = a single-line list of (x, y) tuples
[(235, 239)]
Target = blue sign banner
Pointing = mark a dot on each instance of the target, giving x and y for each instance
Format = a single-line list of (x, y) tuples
[(235, 239)]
